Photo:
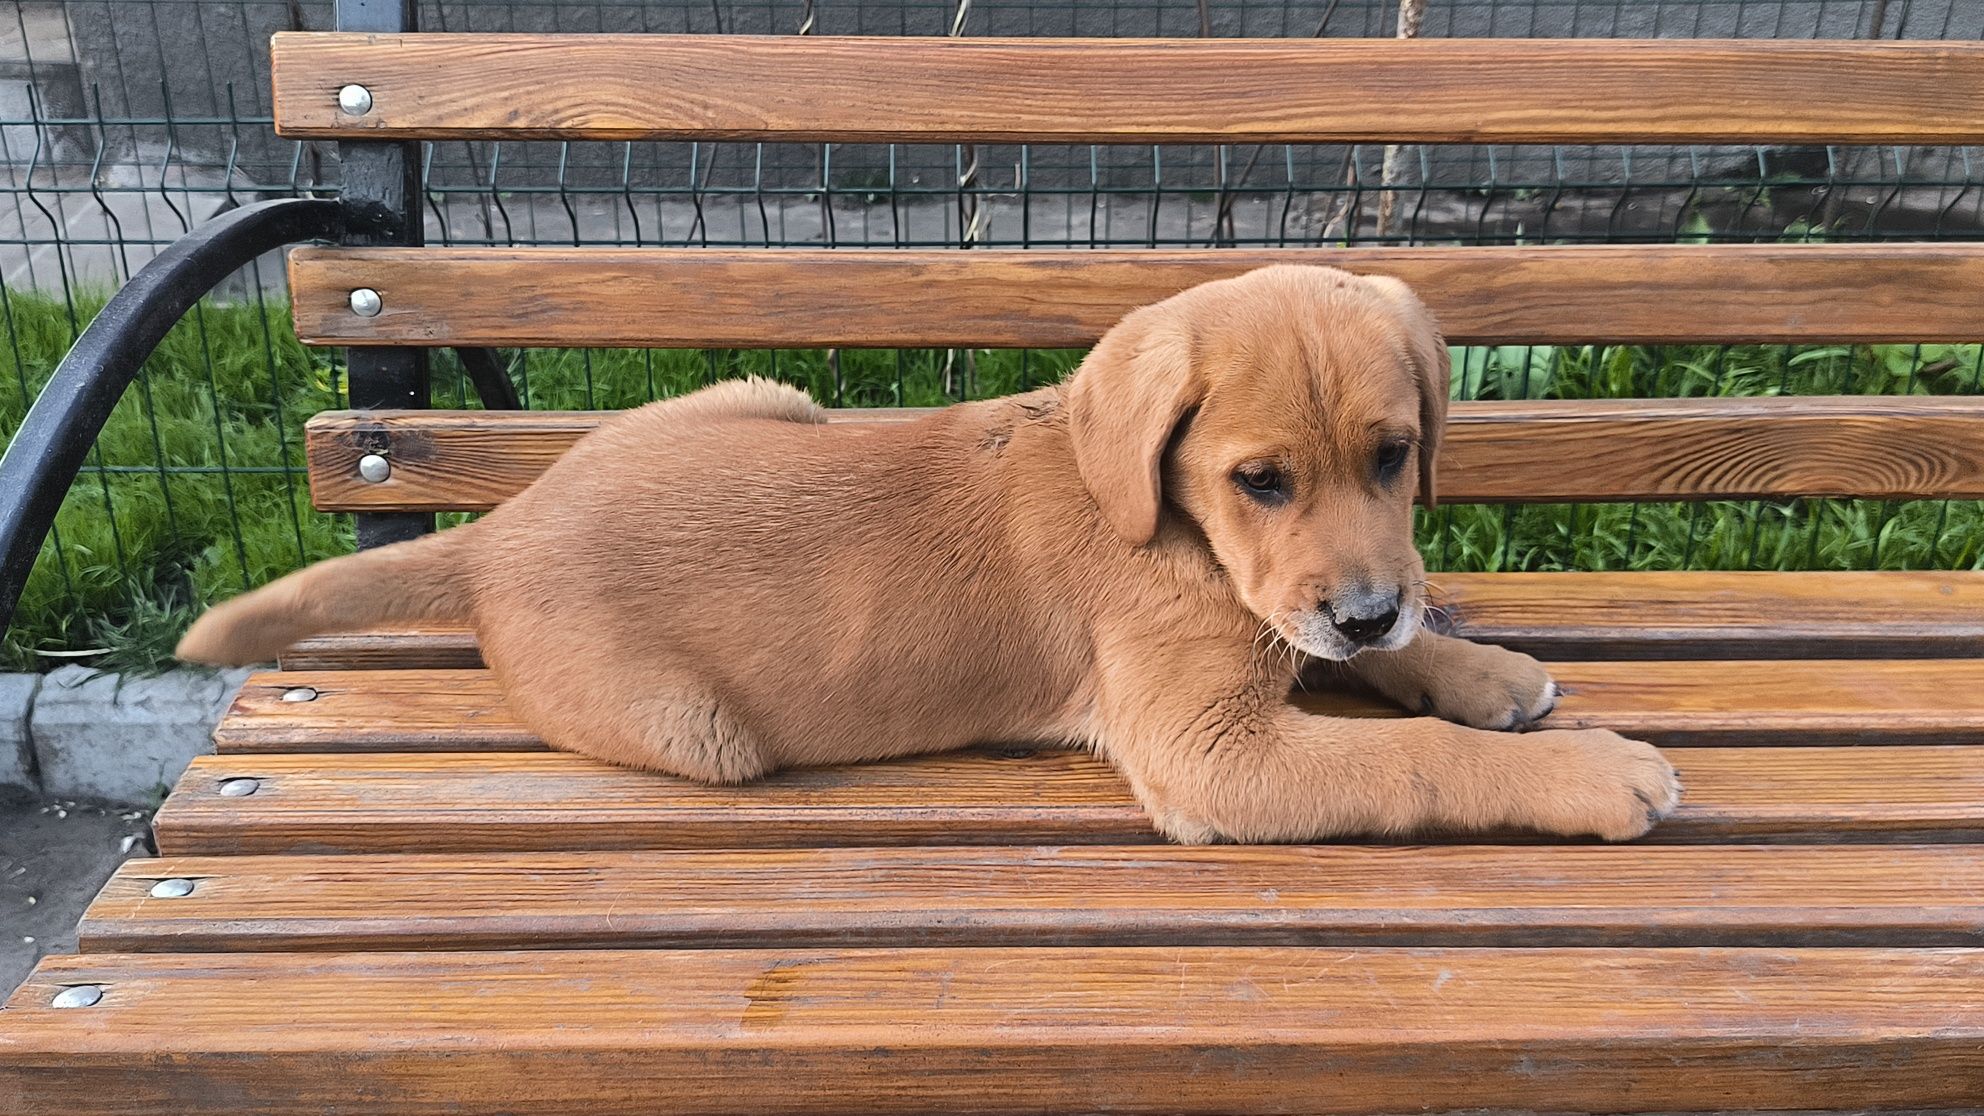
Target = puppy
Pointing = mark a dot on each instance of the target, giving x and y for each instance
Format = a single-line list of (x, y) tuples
[(1136, 561)]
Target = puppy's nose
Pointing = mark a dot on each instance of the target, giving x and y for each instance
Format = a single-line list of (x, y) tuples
[(1364, 615)]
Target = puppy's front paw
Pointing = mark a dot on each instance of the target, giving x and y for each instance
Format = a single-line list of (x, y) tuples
[(1596, 783), (1490, 688)]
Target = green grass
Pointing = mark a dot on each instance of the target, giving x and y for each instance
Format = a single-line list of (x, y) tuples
[(173, 522)]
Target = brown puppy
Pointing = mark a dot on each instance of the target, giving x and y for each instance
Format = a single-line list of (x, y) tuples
[(719, 586)]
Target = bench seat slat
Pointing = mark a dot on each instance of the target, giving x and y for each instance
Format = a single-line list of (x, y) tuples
[(983, 90), (1587, 450), (1062, 299), (1791, 702), (426, 646), (1176, 1030), (500, 802), (1636, 615), (1149, 895)]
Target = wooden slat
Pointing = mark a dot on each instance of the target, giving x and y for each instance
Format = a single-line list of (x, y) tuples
[(373, 711), (466, 802), (1750, 614), (811, 898), (1637, 615), (1590, 450), (494, 802), (1182, 1030), (1790, 702), (925, 90), (702, 298), (435, 646)]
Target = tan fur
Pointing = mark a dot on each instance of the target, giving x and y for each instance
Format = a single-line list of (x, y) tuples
[(719, 586)]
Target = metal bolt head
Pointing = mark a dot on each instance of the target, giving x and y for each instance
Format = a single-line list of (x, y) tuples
[(365, 302), (355, 100), (172, 889), (373, 468), (79, 996), (299, 693), (239, 788)]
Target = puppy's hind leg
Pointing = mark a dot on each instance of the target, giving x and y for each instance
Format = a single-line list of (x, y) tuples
[(641, 715)]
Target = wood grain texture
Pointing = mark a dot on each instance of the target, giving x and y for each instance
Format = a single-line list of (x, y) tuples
[(1734, 615), (1696, 614), (501, 802), (925, 90), (1587, 450), (482, 801), (436, 646), (1179, 1030), (1150, 895), (1751, 702), (1047, 298)]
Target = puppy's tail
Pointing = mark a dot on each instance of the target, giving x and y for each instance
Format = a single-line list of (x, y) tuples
[(417, 580)]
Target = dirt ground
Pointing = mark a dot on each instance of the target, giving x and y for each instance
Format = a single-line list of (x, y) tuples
[(54, 856)]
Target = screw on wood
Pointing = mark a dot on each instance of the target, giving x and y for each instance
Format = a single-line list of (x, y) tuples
[(172, 889), (355, 100), (77, 996), (239, 788)]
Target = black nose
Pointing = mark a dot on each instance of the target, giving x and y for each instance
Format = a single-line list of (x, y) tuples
[(1365, 616)]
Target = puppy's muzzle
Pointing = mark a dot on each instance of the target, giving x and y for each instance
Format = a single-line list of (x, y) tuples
[(1363, 615)]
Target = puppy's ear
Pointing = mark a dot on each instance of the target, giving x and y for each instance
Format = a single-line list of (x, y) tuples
[(1433, 369), (1123, 404)]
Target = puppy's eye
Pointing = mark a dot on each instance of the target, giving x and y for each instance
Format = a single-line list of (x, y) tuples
[(1263, 482), (1391, 458)]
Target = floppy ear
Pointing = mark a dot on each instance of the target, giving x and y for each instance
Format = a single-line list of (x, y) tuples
[(1433, 369), (1123, 404)]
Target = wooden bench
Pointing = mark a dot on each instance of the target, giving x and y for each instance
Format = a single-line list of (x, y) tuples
[(383, 895)]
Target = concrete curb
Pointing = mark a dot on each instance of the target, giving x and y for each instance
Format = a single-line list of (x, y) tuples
[(16, 746), (75, 733)]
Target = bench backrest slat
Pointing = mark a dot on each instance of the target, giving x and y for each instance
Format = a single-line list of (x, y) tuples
[(1680, 449), (801, 298), (690, 87), (921, 90)]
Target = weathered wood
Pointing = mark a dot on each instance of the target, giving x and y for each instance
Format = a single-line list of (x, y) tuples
[(1791, 702), (1150, 895), (433, 646), (1587, 450), (1697, 614), (1751, 614), (496, 802), (933, 90), (372, 711), (704, 298), (463, 802), (1179, 1030)]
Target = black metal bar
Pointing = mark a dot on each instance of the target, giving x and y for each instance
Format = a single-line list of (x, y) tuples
[(380, 188), (492, 382), (48, 450)]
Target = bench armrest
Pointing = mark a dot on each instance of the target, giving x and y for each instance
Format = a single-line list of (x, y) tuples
[(48, 450)]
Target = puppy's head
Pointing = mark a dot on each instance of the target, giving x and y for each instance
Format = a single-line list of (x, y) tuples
[(1291, 413)]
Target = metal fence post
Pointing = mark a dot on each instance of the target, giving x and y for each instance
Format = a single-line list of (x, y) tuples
[(381, 192)]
